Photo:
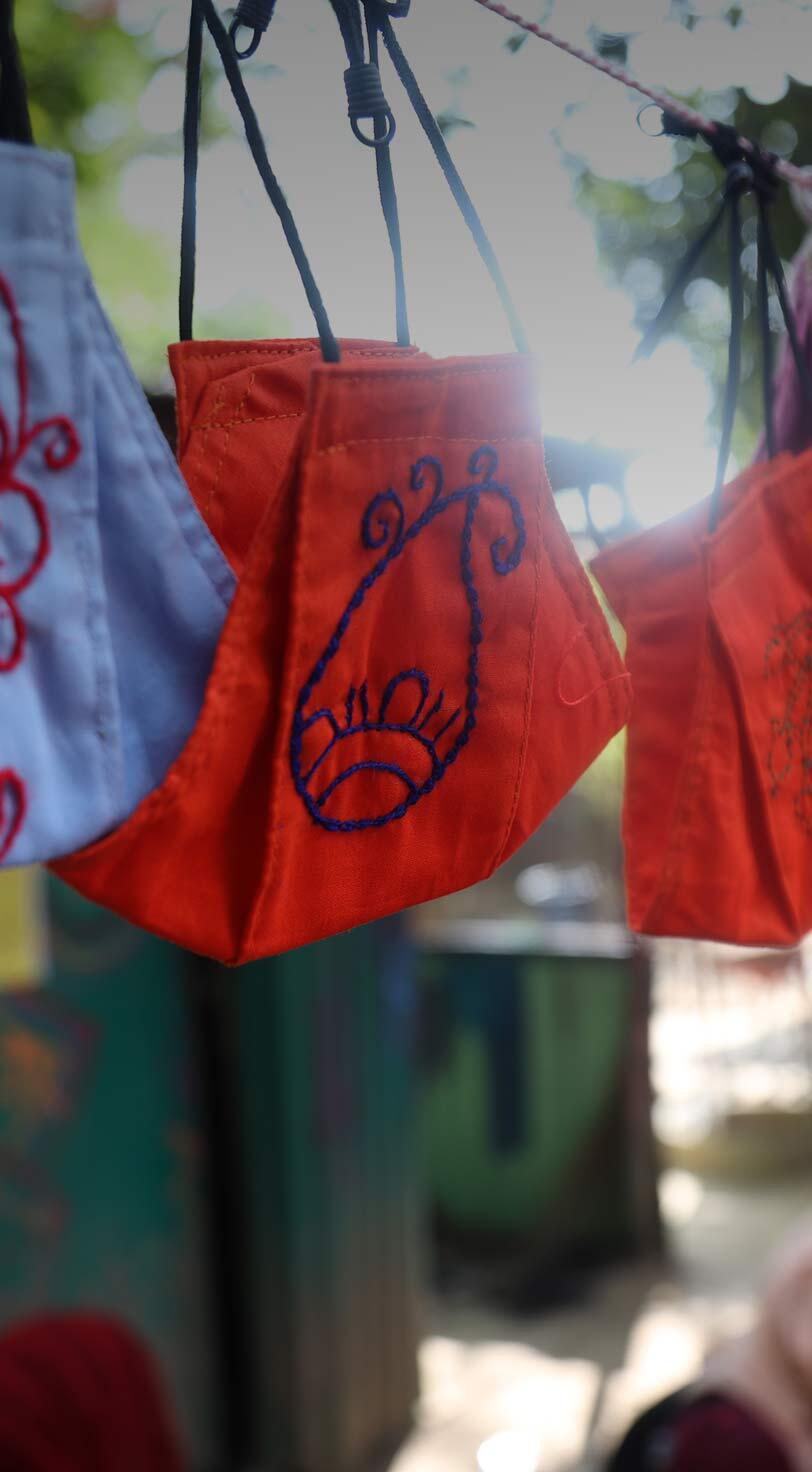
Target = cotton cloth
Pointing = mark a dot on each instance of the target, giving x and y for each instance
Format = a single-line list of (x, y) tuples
[(113, 592), (718, 805), (415, 669)]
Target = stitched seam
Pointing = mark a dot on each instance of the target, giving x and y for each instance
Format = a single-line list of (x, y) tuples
[(216, 491), (159, 460), (422, 439), (188, 763), (242, 617), (184, 769), (204, 458), (258, 419), (417, 373), (181, 413), (287, 688), (252, 349), (219, 405), (686, 780), (528, 696), (753, 750), (106, 703), (588, 604)]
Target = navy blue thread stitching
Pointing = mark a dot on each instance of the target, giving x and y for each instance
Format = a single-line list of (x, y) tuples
[(381, 529)]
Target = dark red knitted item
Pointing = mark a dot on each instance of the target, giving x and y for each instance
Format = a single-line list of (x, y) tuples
[(717, 1434), (78, 1393)]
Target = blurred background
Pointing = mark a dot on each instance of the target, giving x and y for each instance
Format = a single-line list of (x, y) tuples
[(469, 1190)]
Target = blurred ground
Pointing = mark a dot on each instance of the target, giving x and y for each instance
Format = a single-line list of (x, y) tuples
[(550, 1393)]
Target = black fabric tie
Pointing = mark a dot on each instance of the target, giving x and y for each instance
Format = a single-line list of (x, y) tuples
[(205, 11), (744, 175), (366, 103), (15, 122)]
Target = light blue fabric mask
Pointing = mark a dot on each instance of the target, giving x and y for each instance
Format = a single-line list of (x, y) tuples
[(113, 592)]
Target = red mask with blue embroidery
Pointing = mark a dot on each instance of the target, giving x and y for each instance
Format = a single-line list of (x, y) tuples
[(414, 671)]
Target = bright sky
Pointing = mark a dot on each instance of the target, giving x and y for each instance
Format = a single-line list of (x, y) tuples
[(580, 324)]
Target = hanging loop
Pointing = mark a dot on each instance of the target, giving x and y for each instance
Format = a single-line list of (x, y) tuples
[(366, 101), (254, 16), (651, 132)]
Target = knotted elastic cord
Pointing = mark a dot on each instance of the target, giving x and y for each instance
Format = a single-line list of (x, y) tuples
[(205, 10), (366, 102), (254, 16), (742, 177), (15, 121), (434, 134)]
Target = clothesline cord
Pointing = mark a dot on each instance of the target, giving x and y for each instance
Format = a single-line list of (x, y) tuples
[(790, 172)]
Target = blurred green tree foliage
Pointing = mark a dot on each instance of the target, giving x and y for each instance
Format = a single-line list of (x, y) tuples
[(87, 73), (643, 226)]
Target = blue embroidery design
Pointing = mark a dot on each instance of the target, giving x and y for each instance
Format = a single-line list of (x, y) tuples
[(384, 525)]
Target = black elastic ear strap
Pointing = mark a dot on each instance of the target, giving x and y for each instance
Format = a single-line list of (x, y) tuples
[(353, 19), (439, 146), (734, 357), (191, 153), (743, 176), (15, 121), (389, 202), (207, 12)]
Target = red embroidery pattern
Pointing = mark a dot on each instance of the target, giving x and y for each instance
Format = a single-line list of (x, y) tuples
[(59, 452), (60, 447), (13, 796)]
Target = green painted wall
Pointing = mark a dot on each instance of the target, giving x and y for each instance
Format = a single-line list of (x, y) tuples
[(100, 1148)]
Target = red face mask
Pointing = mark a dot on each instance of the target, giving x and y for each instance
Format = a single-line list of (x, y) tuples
[(715, 810), (414, 671)]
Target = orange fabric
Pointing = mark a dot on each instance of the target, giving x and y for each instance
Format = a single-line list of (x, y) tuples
[(242, 405), (715, 809), (414, 671)]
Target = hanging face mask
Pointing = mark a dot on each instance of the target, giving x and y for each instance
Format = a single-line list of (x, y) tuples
[(112, 590), (689, 774), (429, 677), (713, 605), (414, 671)]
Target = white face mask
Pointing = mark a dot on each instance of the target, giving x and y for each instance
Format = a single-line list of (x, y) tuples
[(112, 591)]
